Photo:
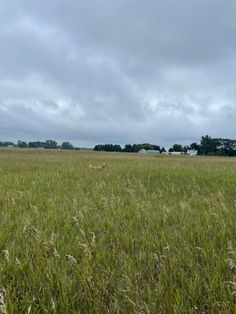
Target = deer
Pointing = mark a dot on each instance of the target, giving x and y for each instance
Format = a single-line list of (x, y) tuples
[(100, 167)]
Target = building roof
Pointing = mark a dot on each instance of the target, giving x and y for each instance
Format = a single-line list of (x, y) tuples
[(152, 151), (143, 151)]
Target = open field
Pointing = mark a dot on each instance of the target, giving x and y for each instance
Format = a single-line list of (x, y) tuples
[(145, 235)]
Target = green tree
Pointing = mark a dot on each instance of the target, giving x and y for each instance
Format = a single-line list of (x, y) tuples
[(66, 145), (98, 147), (208, 145), (128, 148), (108, 148), (21, 144), (177, 148), (51, 144), (194, 146)]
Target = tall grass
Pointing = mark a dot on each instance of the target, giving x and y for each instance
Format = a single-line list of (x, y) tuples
[(145, 235)]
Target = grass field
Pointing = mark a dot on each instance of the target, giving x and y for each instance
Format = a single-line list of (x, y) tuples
[(146, 235)]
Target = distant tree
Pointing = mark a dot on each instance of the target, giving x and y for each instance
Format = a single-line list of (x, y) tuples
[(98, 148), (51, 144), (177, 148), (6, 144), (128, 148), (194, 146), (156, 147), (229, 147), (21, 144), (171, 150), (147, 146), (225, 146), (208, 145), (163, 150), (37, 144), (66, 145), (117, 148), (137, 148), (108, 148)]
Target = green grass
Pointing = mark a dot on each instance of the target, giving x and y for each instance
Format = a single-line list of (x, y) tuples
[(146, 235)]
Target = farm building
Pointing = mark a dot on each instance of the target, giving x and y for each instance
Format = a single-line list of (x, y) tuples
[(192, 152), (142, 151), (157, 152), (151, 151), (176, 153)]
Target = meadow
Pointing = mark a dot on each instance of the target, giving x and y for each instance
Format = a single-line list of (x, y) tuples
[(145, 235)]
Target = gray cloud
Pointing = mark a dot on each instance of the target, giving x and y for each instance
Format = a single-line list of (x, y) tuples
[(117, 71)]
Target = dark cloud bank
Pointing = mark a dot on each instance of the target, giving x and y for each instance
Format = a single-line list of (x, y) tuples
[(128, 71)]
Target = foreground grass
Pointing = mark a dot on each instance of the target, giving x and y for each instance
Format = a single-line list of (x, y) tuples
[(147, 235)]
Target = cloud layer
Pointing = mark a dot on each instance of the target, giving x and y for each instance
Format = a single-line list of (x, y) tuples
[(105, 71)]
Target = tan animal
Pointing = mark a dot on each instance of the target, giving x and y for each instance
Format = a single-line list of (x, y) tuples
[(100, 167)]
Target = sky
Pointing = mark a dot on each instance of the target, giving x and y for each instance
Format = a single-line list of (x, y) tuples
[(108, 71)]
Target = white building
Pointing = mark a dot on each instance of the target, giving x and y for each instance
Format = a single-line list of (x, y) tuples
[(142, 151), (150, 151), (176, 153), (192, 152)]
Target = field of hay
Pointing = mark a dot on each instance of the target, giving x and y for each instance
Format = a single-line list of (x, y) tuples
[(144, 235)]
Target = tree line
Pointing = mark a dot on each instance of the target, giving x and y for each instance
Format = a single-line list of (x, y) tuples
[(207, 146), (128, 147), (48, 144), (217, 146)]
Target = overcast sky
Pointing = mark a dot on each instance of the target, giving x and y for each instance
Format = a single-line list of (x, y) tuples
[(117, 71)]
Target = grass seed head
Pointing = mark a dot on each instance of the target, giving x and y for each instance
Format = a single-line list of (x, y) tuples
[(55, 253), (17, 261), (3, 309), (230, 260), (232, 285), (71, 260), (5, 254), (53, 305)]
